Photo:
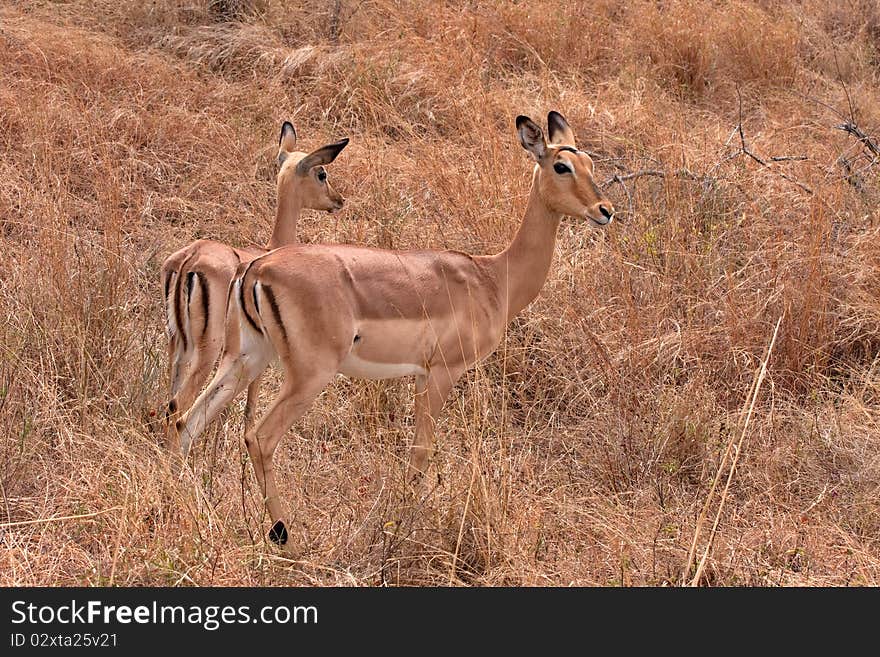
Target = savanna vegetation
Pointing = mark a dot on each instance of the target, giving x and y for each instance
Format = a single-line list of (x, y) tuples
[(644, 416)]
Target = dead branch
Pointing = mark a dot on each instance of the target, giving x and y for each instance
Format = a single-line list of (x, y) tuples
[(851, 175), (708, 178), (657, 173), (744, 150), (617, 178), (851, 128), (622, 179)]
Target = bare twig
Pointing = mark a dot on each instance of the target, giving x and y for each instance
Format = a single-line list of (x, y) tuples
[(851, 128), (335, 23), (744, 149), (635, 174), (852, 109), (658, 173), (822, 103), (622, 178), (850, 175), (817, 501), (707, 178), (629, 200)]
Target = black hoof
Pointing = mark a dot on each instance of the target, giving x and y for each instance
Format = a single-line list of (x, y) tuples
[(278, 533)]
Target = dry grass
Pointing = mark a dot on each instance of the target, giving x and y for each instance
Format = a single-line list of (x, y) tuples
[(583, 451)]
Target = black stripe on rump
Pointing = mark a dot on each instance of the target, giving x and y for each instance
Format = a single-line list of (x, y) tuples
[(178, 301), (206, 303), (244, 309), (190, 281), (256, 301), (273, 305)]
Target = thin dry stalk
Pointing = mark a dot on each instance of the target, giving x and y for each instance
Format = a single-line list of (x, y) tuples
[(737, 450), (40, 521)]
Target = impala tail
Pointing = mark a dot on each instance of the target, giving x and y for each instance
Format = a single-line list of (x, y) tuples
[(168, 276)]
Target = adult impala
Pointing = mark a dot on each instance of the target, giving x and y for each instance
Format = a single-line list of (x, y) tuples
[(196, 278), (376, 314)]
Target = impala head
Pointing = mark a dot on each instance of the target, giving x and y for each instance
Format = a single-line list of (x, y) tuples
[(564, 175), (304, 174)]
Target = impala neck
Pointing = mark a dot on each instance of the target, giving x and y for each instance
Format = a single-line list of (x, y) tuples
[(286, 220), (526, 262)]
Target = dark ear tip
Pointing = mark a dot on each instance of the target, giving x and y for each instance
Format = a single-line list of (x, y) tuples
[(555, 117), (286, 128), (522, 119), (337, 146)]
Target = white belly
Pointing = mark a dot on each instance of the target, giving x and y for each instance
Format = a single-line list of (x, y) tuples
[(364, 369)]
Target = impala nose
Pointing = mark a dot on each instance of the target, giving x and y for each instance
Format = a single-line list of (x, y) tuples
[(607, 211)]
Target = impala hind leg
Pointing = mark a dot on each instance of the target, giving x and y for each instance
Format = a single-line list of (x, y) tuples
[(233, 376), (176, 366), (297, 395), (195, 379), (179, 364), (178, 359), (431, 393), (169, 409), (206, 335), (181, 352)]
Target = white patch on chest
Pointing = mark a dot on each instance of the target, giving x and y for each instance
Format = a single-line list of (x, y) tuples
[(365, 369)]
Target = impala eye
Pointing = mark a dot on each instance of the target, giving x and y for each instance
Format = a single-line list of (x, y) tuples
[(322, 175), (561, 168)]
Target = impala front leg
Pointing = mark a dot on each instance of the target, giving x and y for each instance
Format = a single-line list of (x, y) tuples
[(431, 393)]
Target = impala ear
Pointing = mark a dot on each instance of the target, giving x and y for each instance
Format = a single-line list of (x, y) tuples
[(531, 137), (322, 156), (559, 130), (286, 142)]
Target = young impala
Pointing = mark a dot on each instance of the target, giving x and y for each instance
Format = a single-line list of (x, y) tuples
[(376, 314), (196, 278)]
